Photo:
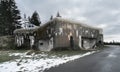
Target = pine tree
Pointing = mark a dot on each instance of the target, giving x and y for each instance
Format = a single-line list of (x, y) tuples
[(9, 15), (29, 19), (15, 15), (51, 17), (58, 14), (3, 17), (35, 19), (1, 21), (24, 16)]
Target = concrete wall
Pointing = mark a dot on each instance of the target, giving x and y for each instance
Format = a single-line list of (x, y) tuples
[(7, 42), (64, 30), (45, 45), (88, 43)]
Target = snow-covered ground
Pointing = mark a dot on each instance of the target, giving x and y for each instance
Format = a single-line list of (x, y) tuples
[(37, 62)]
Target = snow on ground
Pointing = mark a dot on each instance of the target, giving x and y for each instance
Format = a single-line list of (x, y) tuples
[(16, 54), (37, 63)]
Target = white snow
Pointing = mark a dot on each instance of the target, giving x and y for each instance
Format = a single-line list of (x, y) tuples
[(37, 63), (16, 54)]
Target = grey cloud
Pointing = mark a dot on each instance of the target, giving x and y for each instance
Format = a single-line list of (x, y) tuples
[(95, 12)]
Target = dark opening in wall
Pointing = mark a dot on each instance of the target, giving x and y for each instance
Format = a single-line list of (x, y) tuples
[(71, 42), (41, 43), (100, 42)]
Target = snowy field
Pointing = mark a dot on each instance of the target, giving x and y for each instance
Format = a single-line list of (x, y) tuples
[(37, 62)]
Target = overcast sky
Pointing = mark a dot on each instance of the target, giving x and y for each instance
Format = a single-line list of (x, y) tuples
[(101, 13)]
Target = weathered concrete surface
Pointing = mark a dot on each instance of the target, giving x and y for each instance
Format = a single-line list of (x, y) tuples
[(107, 60), (6, 42)]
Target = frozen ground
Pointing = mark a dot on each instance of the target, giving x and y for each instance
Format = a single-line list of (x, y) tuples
[(37, 62)]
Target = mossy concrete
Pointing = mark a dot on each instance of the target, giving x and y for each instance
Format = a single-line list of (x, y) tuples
[(7, 42)]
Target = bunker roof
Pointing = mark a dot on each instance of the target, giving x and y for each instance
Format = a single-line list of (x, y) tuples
[(31, 30)]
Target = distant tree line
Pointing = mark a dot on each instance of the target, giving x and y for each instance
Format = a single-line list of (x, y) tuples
[(112, 43)]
